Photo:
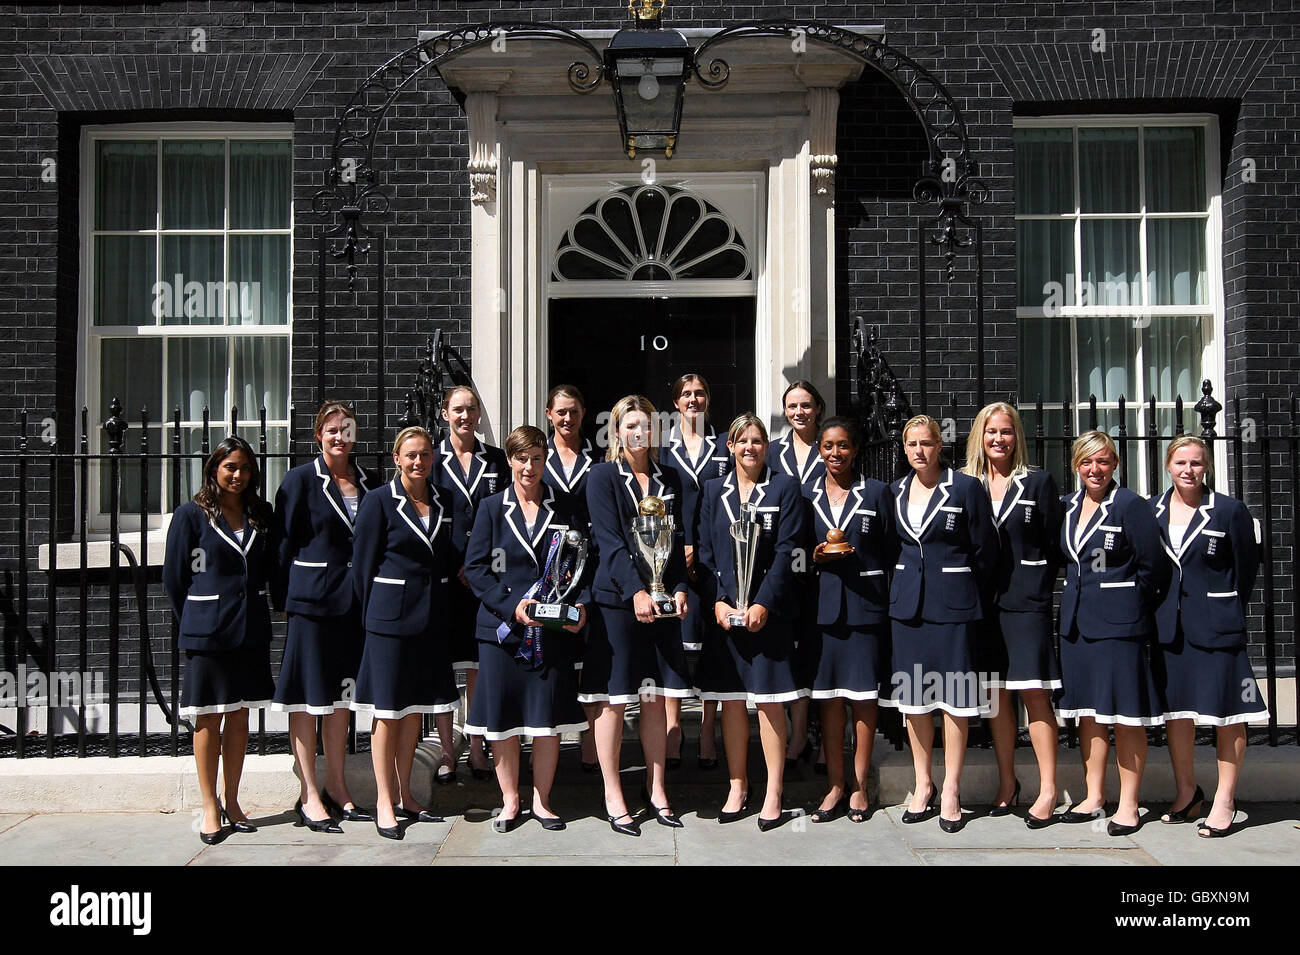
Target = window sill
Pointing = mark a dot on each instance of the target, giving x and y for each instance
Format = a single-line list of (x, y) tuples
[(99, 550)]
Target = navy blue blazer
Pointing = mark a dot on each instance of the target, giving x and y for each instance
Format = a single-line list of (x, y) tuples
[(573, 487), (781, 458), (714, 461), (218, 586), (503, 560), (1116, 575), (312, 540), (854, 590), (613, 494), (489, 473), (780, 507), (1213, 573), (1029, 539), (400, 571), (943, 567)]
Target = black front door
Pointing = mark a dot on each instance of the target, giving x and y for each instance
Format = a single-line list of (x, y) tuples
[(611, 347)]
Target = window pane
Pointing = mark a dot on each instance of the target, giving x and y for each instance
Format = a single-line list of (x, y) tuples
[(1045, 360), (261, 185), (1107, 350), (130, 369), (1175, 173), (196, 377), (1108, 170), (1045, 255), (126, 185), (1044, 171), (1176, 261), (259, 273), (124, 280), (1110, 262), (194, 184), (192, 263), (1172, 348), (262, 377)]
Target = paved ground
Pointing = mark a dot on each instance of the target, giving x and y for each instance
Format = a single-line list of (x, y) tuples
[(1268, 836)]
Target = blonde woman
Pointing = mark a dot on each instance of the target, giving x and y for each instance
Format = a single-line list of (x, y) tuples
[(632, 652), (1201, 666), (1017, 627), (1116, 573), (948, 549)]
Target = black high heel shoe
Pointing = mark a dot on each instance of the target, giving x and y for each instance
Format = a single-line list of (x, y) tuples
[(316, 825), (355, 814), (629, 828), (1071, 816), (1006, 810), (1189, 811), (953, 825), (910, 817), (1209, 832), (212, 838), (767, 825), (672, 822), (831, 814), (424, 815), (245, 826), (1119, 829), (725, 817), (391, 832)]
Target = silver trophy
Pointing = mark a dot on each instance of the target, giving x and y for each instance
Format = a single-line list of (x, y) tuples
[(652, 537), (745, 533), (559, 580)]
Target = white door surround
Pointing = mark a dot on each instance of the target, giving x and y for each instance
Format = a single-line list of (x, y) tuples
[(774, 122)]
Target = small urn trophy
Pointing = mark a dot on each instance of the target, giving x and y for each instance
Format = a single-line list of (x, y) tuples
[(836, 546)]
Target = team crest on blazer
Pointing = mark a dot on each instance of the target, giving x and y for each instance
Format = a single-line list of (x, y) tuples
[(951, 523), (767, 521), (1211, 545), (1109, 542), (866, 523)]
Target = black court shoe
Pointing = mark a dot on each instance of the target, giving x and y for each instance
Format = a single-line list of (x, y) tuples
[(767, 825), (629, 828), (910, 817), (551, 823), (245, 826), (391, 832), (316, 825), (725, 817), (1013, 801), (424, 815), (1119, 829), (1033, 822), (212, 838), (1189, 811), (355, 814), (1071, 816)]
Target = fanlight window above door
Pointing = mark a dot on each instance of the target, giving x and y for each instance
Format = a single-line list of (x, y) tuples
[(651, 233)]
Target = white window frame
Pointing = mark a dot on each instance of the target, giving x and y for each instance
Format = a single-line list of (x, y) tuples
[(1211, 313), (90, 336)]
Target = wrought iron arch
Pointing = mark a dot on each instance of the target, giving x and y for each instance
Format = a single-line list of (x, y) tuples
[(352, 191)]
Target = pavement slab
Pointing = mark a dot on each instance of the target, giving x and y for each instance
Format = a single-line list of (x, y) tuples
[(82, 839), (1034, 857)]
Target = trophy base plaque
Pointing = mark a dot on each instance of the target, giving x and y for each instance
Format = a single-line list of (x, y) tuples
[(736, 621), (665, 605), (555, 616)]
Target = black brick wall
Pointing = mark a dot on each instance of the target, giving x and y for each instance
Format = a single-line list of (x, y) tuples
[(64, 67)]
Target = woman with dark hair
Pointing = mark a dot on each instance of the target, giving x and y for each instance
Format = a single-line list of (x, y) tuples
[(402, 561), (634, 650), (569, 459), (697, 454), (1116, 572), (846, 638), (1201, 666), (1017, 627), (753, 663), (216, 576), (467, 471), (948, 551), (315, 513), (795, 455), (526, 681)]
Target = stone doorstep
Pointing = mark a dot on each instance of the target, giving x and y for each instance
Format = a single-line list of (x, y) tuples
[(165, 784)]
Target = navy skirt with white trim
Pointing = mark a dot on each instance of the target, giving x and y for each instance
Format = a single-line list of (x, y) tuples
[(404, 675), (463, 616), (1214, 687), (849, 661), (223, 681), (932, 669), (755, 667), (513, 699), (1016, 650), (1108, 680), (322, 656), (625, 658)]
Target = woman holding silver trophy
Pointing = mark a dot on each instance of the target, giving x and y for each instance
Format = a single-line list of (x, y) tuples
[(634, 644), (526, 565), (751, 523)]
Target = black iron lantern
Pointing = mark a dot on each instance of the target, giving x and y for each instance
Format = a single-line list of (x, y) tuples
[(647, 66)]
